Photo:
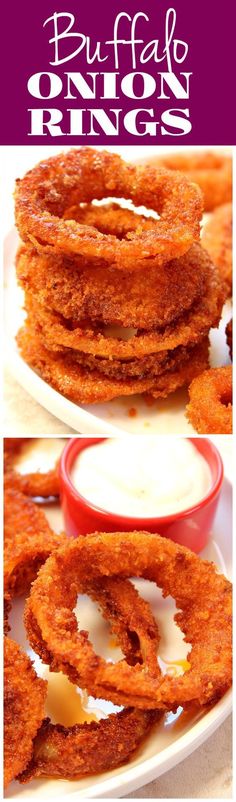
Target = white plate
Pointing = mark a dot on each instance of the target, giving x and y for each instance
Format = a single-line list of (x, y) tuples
[(175, 737), (164, 416)]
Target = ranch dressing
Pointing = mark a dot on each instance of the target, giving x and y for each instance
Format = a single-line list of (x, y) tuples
[(142, 476)]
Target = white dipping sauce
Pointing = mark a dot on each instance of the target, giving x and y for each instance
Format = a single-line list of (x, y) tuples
[(142, 476)]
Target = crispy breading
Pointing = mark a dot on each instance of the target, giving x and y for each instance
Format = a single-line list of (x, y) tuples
[(24, 699), (203, 598), (217, 239)]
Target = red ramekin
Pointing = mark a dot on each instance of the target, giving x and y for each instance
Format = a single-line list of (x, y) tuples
[(190, 528)]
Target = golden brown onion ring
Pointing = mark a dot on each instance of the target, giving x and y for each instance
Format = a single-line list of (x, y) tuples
[(210, 170), (151, 366), (217, 239), (203, 598), (28, 540), (87, 749), (31, 484), (66, 376), (60, 751), (91, 748), (24, 698), (82, 175), (150, 298), (210, 407), (58, 334)]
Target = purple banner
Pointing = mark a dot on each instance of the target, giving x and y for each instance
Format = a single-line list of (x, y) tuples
[(118, 73)]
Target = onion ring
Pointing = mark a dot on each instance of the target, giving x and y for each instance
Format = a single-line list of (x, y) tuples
[(58, 750), (28, 541), (80, 292), (73, 752), (91, 748), (31, 484), (202, 595), (190, 328), (66, 376), (24, 698), (81, 175), (210, 407), (152, 366), (210, 170), (217, 239)]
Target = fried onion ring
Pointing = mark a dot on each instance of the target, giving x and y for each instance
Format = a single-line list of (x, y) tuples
[(152, 366), (24, 698), (203, 598), (28, 541), (91, 748), (217, 239), (65, 375), (81, 291), (190, 328), (80, 176), (74, 752), (210, 170), (31, 484), (210, 407), (86, 748), (58, 335), (59, 751)]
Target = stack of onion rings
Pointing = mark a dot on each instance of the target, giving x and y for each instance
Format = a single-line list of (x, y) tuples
[(79, 291), (118, 303)]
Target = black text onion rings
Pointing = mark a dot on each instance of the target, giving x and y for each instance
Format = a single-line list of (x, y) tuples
[(79, 176), (203, 598)]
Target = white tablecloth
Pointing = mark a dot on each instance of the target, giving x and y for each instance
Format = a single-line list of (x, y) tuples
[(24, 416)]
